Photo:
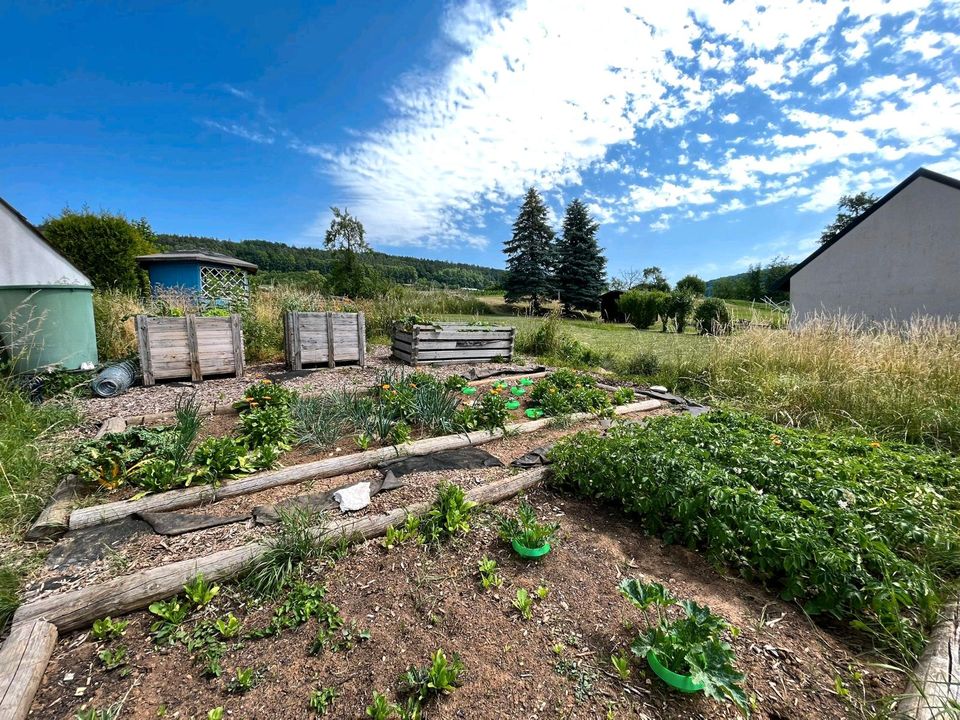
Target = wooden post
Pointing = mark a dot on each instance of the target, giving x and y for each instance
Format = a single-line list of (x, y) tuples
[(414, 342), (294, 349), (361, 340), (143, 341), (23, 660), (331, 361), (237, 333), (513, 332), (194, 348)]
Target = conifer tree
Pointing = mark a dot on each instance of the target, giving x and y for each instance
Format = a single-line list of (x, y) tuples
[(580, 275), (530, 254)]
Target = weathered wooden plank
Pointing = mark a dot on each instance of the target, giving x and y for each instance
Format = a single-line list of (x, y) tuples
[(429, 345), (143, 343), (362, 339), (465, 354), (195, 372), (935, 683), (465, 335), (331, 361), (327, 467), (23, 660)]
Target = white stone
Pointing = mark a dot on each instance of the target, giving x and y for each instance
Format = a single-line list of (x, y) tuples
[(658, 388), (355, 497)]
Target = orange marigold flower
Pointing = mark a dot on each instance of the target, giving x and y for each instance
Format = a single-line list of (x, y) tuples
[(874, 444)]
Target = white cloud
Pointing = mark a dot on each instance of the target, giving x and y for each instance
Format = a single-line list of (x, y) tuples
[(541, 92), (845, 182)]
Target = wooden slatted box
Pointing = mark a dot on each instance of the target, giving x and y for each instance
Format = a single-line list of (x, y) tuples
[(452, 343), (324, 338), (189, 347)]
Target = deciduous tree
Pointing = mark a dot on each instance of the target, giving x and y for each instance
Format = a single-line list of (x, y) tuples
[(849, 208)]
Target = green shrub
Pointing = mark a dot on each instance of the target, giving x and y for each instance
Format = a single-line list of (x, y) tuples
[(712, 317), (842, 524), (564, 392), (643, 307), (680, 306)]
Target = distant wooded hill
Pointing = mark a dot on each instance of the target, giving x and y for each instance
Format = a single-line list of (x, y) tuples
[(755, 284), (281, 262)]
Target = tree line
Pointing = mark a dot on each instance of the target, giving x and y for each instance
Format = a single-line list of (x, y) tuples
[(104, 247)]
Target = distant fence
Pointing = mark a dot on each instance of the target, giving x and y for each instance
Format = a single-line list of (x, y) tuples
[(175, 348), (324, 338), (450, 343)]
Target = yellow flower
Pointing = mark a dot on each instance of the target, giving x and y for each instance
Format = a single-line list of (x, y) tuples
[(248, 399), (267, 381), (385, 386), (775, 439), (413, 385), (553, 390), (874, 444)]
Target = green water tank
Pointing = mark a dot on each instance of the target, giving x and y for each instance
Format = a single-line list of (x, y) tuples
[(45, 326)]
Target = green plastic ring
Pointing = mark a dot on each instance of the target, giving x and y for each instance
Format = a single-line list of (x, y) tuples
[(524, 551), (683, 683)]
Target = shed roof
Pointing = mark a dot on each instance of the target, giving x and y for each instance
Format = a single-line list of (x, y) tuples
[(207, 257), (784, 282), (39, 265)]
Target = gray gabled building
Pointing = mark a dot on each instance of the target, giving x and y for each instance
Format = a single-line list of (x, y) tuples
[(899, 259)]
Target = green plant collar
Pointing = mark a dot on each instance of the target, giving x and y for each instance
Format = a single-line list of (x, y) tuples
[(683, 683), (524, 551)]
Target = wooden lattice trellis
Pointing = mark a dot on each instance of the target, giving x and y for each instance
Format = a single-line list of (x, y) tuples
[(223, 283)]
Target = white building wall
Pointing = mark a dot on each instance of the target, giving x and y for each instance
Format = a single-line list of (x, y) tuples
[(26, 260), (903, 260)]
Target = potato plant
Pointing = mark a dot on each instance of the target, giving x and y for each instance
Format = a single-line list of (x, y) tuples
[(864, 531)]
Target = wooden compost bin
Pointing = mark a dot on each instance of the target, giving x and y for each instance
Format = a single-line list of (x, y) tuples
[(324, 338), (189, 347), (451, 343)]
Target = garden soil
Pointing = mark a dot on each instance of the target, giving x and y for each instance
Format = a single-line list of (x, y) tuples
[(414, 600)]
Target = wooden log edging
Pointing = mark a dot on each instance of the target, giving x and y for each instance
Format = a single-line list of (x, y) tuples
[(54, 521), (23, 660), (328, 467), (78, 608), (935, 685)]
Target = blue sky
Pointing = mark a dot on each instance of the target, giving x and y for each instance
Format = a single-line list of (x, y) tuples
[(704, 136)]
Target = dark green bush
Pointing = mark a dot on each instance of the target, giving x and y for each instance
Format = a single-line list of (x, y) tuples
[(712, 317), (642, 363), (681, 305), (643, 307), (862, 531)]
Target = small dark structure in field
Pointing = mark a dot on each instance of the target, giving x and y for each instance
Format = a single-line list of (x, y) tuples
[(209, 277), (610, 307)]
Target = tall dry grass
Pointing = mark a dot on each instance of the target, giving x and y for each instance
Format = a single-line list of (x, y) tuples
[(263, 318), (896, 381)]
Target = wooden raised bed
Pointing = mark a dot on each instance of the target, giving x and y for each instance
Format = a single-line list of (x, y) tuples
[(324, 338), (190, 347), (452, 343)]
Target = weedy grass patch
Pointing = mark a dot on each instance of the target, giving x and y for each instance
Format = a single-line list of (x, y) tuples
[(848, 526)]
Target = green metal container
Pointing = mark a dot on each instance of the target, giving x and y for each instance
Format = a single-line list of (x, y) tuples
[(51, 325)]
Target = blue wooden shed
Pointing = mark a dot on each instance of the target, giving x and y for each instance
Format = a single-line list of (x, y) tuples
[(208, 277)]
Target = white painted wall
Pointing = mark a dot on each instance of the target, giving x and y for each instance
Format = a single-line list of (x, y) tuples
[(902, 260), (26, 260)]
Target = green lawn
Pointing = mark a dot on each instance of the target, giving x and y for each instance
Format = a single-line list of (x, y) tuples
[(604, 337)]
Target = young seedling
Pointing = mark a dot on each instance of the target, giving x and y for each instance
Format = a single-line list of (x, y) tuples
[(489, 577), (524, 603), (171, 614), (107, 628), (440, 677), (242, 681), (321, 699), (558, 649), (381, 708), (215, 714), (112, 659), (621, 663), (228, 627), (363, 440), (199, 592), (541, 592)]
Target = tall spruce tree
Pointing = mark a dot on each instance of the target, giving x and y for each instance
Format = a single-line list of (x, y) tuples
[(530, 254), (580, 276)]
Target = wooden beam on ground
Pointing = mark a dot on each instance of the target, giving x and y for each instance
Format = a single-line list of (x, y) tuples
[(109, 426), (54, 521), (79, 608), (935, 684), (328, 467), (23, 660)]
